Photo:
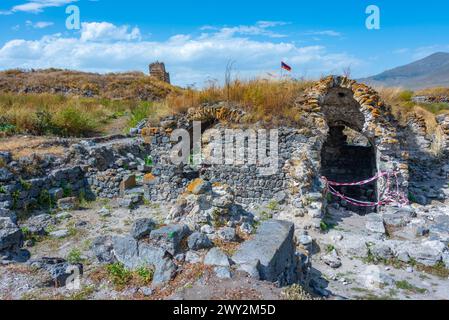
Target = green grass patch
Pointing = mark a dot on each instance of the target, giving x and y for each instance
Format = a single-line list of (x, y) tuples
[(407, 286)]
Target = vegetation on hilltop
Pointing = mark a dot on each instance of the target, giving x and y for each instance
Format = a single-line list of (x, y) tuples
[(70, 103), (129, 85), (266, 100)]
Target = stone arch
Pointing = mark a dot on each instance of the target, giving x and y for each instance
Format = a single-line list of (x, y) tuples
[(338, 101)]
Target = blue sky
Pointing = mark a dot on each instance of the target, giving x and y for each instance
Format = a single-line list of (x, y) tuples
[(197, 38)]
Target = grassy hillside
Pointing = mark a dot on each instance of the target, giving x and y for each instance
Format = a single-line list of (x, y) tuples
[(68, 103), (71, 103), (131, 85)]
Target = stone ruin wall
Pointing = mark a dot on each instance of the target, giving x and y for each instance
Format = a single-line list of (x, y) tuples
[(96, 168)]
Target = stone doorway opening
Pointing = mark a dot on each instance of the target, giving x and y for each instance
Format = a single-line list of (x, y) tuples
[(348, 156)]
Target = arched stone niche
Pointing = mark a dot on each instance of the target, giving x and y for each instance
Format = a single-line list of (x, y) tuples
[(339, 101)]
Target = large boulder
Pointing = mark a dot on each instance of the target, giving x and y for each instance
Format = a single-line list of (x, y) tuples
[(6, 213), (142, 228), (38, 225), (71, 203), (133, 255), (169, 237), (198, 241), (216, 257), (273, 250), (5, 175), (11, 237), (102, 247), (428, 253), (58, 269)]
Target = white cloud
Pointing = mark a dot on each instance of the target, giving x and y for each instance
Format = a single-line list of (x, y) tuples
[(39, 24), (105, 31), (36, 6), (104, 47), (261, 28), (329, 33)]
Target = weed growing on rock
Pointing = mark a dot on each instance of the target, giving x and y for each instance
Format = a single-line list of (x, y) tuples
[(296, 292), (74, 256), (405, 285)]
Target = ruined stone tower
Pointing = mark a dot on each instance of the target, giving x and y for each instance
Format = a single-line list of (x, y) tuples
[(157, 70)]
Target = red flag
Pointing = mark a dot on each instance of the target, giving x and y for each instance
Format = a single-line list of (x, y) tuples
[(285, 66)]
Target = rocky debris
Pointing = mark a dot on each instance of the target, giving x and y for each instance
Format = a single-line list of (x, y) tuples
[(216, 257), (102, 249), (104, 212), (305, 241), (5, 175), (223, 272), (375, 224), (130, 201), (207, 229), (6, 213), (430, 99), (399, 218), (428, 253), (273, 250), (169, 237), (56, 193), (373, 278), (38, 225), (71, 203), (199, 241), (128, 182), (11, 237), (63, 216), (146, 291), (227, 234), (382, 250), (214, 206), (59, 234), (246, 228), (138, 128), (199, 186), (332, 259), (142, 228), (58, 269), (192, 257)]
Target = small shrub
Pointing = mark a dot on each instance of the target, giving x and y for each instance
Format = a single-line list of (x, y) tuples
[(142, 111), (273, 205), (406, 95), (295, 293), (45, 200), (74, 256), (72, 121), (145, 275), (148, 161), (405, 285), (67, 190), (25, 184), (118, 274), (15, 199)]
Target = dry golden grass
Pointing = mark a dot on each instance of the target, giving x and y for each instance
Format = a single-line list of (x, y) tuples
[(265, 100), (45, 113), (403, 109), (21, 146), (130, 85), (438, 91)]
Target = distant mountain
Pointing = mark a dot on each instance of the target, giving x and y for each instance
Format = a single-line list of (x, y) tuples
[(432, 71)]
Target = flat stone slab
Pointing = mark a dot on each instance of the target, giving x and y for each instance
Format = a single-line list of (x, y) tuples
[(272, 250)]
